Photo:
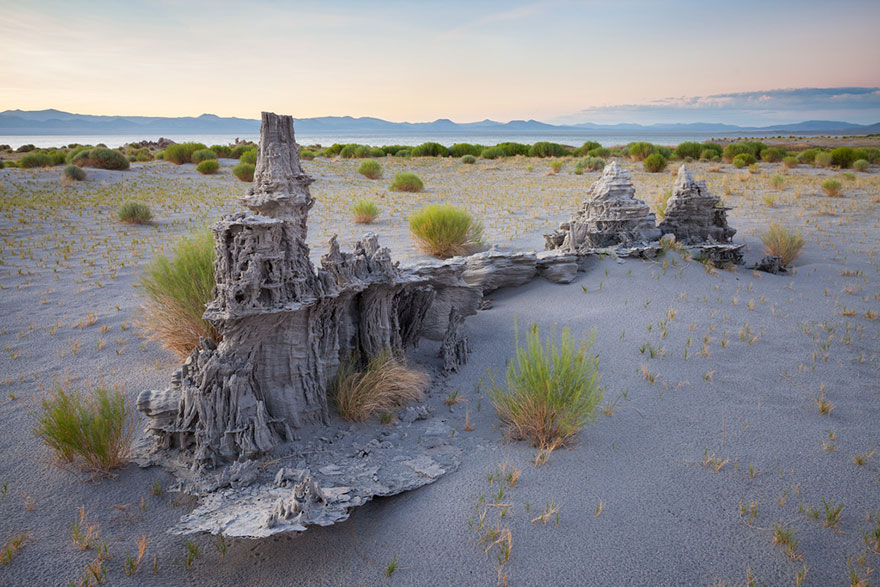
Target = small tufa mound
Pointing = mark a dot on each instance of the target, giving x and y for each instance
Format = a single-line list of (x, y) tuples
[(693, 215)]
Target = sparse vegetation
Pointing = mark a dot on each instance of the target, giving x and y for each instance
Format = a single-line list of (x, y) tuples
[(135, 213), (370, 169), (384, 384), (782, 242), (861, 165), (443, 231), (406, 181), (365, 210), (832, 188), (74, 173), (244, 171), (183, 152), (654, 163)]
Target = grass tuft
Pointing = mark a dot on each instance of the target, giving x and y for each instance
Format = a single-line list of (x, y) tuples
[(135, 213), (443, 230), (406, 181), (244, 171), (365, 210), (832, 188), (552, 390), (370, 169), (208, 166), (782, 242), (383, 385)]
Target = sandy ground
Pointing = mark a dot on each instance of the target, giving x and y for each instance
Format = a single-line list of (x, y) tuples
[(699, 451)]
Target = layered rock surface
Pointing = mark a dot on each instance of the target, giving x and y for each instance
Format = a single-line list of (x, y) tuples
[(693, 214)]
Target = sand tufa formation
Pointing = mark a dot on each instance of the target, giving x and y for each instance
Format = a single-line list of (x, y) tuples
[(611, 215), (694, 215)]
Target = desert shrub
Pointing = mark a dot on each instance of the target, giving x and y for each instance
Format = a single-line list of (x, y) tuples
[(712, 147), (377, 152), (807, 156), (160, 155), (25, 148), (35, 159), (666, 152), (4, 148), (743, 160), (592, 163), (662, 203), (689, 149), (134, 213), (772, 154), (392, 149), (546, 149), (239, 150), (182, 152), (104, 158), (789, 162), (94, 431), (552, 389), (348, 152), (250, 156), (822, 159), (365, 210), (403, 153), (143, 155), (208, 167), (601, 152), (131, 158), (777, 181), (203, 155), (755, 148), (732, 150), (511, 149), (848, 176), (639, 151), (444, 231), (843, 157), (860, 165), (869, 154), (75, 173), (556, 166), (370, 169), (223, 151), (492, 153), (176, 291), (77, 154), (462, 149), (10, 163), (578, 169), (468, 159), (782, 242), (654, 163), (755, 168), (586, 148), (244, 171), (832, 188), (406, 181), (707, 154), (58, 157), (335, 148), (362, 151), (430, 150), (306, 154), (383, 385)]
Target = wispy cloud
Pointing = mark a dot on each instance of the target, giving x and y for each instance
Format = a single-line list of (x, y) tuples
[(850, 104), (513, 14)]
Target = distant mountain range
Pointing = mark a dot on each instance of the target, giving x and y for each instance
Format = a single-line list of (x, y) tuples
[(56, 122)]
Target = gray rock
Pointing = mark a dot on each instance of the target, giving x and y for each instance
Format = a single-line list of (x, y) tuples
[(495, 269), (770, 264), (557, 266), (694, 215)]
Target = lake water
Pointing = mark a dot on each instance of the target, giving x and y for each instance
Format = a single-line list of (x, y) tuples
[(567, 137)]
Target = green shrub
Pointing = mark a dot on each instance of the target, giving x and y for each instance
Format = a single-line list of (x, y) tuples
[(370, 169), (160, 155), (552, 389), (843, 157), (306, 155), (592, 163), (58, 157), (393, 149), (75, 173), (208, 166), (94, 431), (10, 163), (468, 159), (131, 158), (362, 151), (103, 158), (135, 213), (513, 149), (777, 181), (545, 149), (203, 155), (462, 149), (182, 152), (660, 208), (143, 155), (77, 152), (600, 152), (556, 166), (430, 150), (442, 230), (655, 163), (782, 242), (807, 156), (755, 168), (35, 159), (348, 151), (406, 181), (689, 149), (707, 154), (772, 154), (732, 150), (377, 152), (832, 188), (754, 148), (822, 159), (222, 151), (249, 156), (586, 148), (25, 148), (743, 160), (869, 154), (176, 291), (860, 165), (848, 176), (244, 171), (403, 153), (335, 148), (666, 152), (578, 169), (365, 210), (789, 162), (639, 151), (492, 153), (239, 150), (718, 149)]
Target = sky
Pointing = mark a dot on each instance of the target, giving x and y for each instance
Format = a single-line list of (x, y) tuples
[(739, 62)]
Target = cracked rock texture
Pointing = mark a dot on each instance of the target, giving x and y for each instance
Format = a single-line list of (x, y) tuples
[(693, 214), (610, 215), (286, 325)]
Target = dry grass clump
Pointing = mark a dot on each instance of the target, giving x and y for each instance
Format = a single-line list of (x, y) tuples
[(370, 169), (135, 213), (383, 385), (365, 210), (782, 242), (552, 391), (832, 188), (177, 291), (95, 431), (443, 230)]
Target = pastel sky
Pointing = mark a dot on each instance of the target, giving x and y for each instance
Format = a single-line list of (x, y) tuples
[(556, 61)]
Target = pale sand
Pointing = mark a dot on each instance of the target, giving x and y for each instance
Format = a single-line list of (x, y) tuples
[(666, 518)]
